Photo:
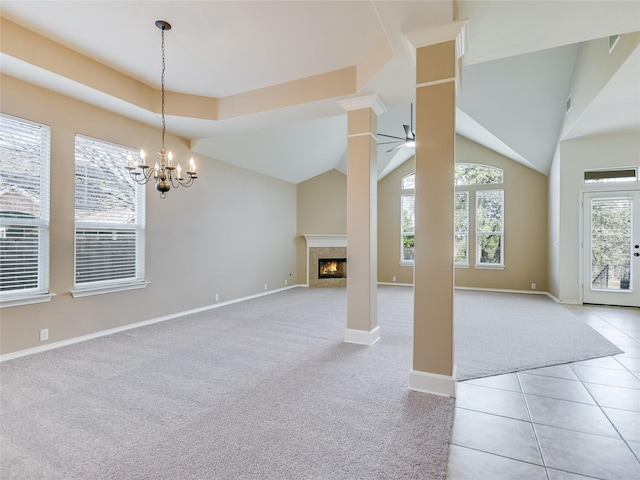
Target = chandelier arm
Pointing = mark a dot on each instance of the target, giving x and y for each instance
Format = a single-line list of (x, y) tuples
[(142, 178), (187, 183)]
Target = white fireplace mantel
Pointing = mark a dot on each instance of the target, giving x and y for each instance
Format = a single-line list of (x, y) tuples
[(316, 240)]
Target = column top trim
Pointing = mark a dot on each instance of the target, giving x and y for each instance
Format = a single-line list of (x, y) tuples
[(368, 101), (458, 31)]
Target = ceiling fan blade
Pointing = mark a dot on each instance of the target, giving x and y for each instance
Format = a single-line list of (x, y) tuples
[(411, 121), (386, 143), (396, 147), (390, 136), (407, 130)]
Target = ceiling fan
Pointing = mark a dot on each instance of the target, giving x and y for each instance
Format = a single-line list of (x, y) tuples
[(408, 141)]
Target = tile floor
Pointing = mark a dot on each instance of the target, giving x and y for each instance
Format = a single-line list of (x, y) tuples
[(566, 422)]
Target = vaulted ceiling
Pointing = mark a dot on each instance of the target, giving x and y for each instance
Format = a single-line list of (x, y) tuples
[(259, 81)]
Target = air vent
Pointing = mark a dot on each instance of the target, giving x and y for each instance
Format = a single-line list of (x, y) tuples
[(613, 41), (567, 105)]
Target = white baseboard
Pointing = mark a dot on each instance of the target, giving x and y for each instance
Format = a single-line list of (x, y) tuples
[(433, 383), (102, 333), (362, 337), (396, 284), (503, 290)]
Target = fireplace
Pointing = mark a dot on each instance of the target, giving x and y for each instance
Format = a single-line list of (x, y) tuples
[(332, 248), (332, 268)]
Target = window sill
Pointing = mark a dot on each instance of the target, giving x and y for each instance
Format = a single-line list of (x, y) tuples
[(19, 300), (407, 263), (102, 289), (489, 267), (461, 265)]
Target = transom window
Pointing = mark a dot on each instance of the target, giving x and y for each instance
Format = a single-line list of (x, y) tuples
[(486, 214), (24, 208), (109, 217)]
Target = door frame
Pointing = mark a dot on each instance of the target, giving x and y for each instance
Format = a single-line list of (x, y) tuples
[(608, 188)]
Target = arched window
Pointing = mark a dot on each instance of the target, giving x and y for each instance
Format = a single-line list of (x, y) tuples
[(481, 222)]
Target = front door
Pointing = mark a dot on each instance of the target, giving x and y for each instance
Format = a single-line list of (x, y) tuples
[(612, 248)]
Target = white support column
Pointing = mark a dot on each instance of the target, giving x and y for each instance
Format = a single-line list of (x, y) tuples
[(362, 214), (433, 343)]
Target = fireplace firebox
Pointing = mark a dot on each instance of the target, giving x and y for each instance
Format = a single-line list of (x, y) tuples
[(332, 268)]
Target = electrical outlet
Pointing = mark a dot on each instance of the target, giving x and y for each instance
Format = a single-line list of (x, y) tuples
[(533, 286), (265, 287), (44, 334), (286, 282), (394, 278), (217, 297)]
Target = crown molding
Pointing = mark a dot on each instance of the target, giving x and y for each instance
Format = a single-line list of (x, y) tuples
[(367, 101)]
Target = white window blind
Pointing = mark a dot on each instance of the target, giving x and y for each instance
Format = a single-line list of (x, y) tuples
[(109, 216), (24, 207)]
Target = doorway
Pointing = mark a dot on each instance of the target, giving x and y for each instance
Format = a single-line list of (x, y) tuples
[(611, 253)]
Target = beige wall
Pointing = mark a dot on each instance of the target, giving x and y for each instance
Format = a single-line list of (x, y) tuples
[(525, 237), (389, 192), (231, 233), (322, 209)]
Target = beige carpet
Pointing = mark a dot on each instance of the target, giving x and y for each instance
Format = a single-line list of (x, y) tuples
[(263, 389)]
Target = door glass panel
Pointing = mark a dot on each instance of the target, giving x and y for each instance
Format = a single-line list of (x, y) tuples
[(611, 243)]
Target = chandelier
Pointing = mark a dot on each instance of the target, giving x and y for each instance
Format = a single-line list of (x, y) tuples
[(165, 174)]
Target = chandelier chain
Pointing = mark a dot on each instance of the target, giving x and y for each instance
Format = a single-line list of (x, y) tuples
[(162, 85)]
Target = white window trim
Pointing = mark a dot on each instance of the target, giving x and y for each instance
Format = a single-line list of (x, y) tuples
[(111, 288), (25, 299)]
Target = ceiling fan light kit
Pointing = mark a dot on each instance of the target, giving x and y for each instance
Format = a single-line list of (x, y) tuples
[(409, 139)]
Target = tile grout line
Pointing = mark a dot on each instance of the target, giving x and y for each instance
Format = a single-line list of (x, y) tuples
[(533, 427)]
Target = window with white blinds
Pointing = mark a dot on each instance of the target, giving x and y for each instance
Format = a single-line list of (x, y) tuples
[(109, 217), (24, 207)]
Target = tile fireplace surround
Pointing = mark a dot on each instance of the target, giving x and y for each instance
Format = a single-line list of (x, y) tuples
[(324, 246)]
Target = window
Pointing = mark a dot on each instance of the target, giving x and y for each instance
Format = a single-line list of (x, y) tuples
[(476, 174), (487, 212), (489, 227), (611, 176), (24, 211), (408, 218), (461, 227), (109, 219)]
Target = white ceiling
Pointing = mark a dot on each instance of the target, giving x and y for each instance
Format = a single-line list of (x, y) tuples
[(516, 73)]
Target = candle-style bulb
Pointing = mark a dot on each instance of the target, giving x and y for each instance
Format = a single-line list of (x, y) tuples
[(142, 156)]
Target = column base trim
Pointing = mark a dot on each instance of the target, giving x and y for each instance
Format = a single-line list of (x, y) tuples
[(362, 337), (433, 383)]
